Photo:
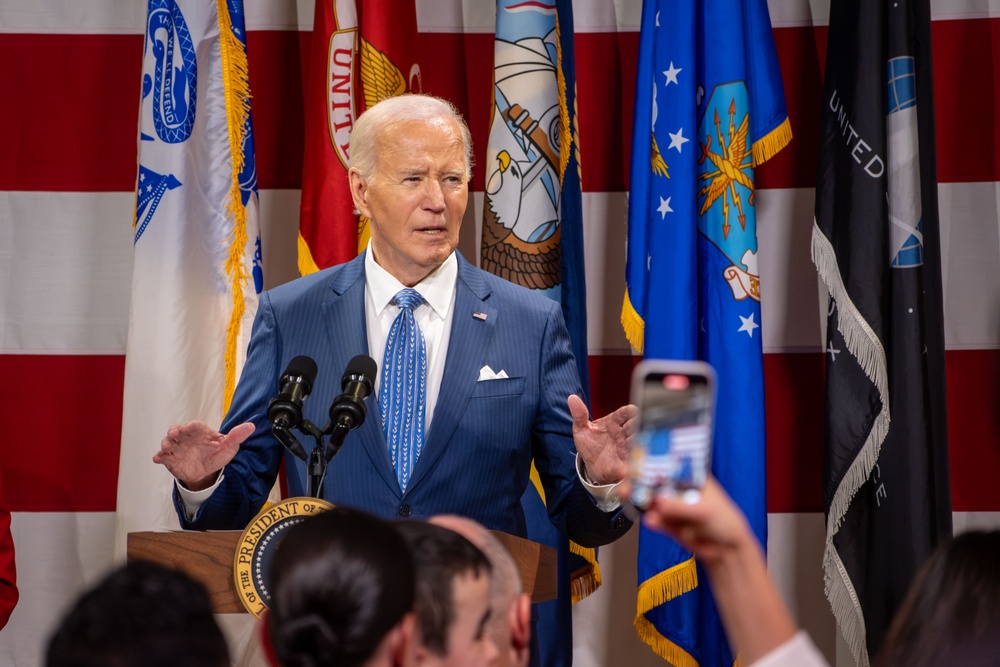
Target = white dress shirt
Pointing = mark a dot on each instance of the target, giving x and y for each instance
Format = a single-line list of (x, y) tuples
[(433, 318), (799, 651)]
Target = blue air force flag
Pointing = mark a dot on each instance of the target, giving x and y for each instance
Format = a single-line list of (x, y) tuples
[(197, 259), (709, 108)]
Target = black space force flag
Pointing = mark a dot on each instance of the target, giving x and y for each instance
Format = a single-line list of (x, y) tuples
[(876, 245)]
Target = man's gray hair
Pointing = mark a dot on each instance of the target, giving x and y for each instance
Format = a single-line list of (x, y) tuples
[(506, 581), (388, 115)]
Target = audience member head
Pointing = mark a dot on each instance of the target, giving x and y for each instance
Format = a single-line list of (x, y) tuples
[(141, 615), (452, 598), (951, 614), (409, 176), (510, 609), (342, 586)]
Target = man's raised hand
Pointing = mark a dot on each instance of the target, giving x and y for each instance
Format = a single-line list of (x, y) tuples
[(194, 452), (603, 444)]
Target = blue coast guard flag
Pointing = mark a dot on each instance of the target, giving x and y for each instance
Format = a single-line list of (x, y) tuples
[(709, 107), (197, 268), (533, 236)]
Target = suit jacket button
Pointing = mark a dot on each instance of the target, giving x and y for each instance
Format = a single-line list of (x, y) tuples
[(405, 510), (618, 523)]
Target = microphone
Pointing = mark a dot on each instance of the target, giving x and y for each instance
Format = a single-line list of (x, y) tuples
[(285, 410), (349, 409)]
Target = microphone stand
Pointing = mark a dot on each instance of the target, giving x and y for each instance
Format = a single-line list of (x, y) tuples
[(319, 457)]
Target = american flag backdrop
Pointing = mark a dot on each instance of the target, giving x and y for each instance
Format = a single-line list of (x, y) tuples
[(71, 83)]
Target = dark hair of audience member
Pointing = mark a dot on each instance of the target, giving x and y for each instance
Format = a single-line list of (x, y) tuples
[(439, 555), (951, 614), (340, 581), (140, 615)]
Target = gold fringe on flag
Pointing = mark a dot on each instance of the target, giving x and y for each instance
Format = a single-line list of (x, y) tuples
[(586, 579), (632, 324), (768, 146), (236, 84), (658, 590), (565, 130)]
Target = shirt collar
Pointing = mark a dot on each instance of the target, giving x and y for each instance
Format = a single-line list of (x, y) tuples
[(437, 288)]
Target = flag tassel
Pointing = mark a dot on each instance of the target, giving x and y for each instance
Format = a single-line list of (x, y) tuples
[(771, 143), (658, 590), (236, 84), (865, 346), (587, 579), (632, 324)]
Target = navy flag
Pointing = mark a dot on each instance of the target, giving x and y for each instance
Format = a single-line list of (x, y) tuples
[(876, 245), (532, 235), (709, 108)]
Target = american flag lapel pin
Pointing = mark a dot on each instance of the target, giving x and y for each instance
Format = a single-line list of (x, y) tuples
[(479, 316)]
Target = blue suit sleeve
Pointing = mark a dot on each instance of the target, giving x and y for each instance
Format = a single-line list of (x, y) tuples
[(248, 478), (571, 508)]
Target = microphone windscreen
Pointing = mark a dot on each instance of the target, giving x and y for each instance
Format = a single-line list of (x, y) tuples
[(304, 367), (358, 367)]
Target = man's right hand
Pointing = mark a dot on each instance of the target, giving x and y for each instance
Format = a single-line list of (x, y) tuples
[(194, 453)]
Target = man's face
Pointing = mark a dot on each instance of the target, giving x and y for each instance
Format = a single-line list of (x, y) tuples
[(468, 642), (416, 198)]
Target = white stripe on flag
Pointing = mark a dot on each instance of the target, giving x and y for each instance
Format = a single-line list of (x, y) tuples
[(79, 246), (58, 554), (67, 261)]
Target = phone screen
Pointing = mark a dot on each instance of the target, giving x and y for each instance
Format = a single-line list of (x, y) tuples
[(672, 448)]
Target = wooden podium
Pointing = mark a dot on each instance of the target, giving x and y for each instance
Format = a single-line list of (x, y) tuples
[(208, 558)]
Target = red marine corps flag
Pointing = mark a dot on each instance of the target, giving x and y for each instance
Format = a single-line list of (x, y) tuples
[(363, 51)]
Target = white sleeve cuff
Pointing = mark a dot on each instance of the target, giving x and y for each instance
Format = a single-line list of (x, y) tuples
[(193, 500), (604, 495), (799, 650)]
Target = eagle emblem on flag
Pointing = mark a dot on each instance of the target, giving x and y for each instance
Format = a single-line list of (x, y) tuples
[(726, 213)]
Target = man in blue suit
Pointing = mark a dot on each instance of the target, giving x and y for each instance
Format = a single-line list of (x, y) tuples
[(500, 380)]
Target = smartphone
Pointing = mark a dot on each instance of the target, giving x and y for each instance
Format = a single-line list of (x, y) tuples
[(671, 452)]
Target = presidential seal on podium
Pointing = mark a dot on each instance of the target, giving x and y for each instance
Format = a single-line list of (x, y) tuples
[(258, 544)]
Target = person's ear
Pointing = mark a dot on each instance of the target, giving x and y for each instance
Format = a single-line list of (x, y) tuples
[(359, 193), (263, 628), (520, 627), (403, 643)]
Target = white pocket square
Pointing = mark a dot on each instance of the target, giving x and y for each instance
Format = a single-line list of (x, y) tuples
[(486, 373)]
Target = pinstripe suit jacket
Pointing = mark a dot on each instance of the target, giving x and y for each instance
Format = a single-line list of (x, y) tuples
[(483, 435)]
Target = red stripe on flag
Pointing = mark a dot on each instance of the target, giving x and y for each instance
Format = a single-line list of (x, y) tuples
[(278, 62), (801, 53), (966, 82), (973, 386), (605, 82), (793, 412), (88, 86), (61, 444), (71, 103), (63, 431)]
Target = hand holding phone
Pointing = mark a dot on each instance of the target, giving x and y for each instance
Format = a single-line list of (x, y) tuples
[(672, 449)]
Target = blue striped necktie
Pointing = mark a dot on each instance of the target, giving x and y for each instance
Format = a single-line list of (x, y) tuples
[(403, 393)]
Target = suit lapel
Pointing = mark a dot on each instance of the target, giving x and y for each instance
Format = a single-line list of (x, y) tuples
[(471, 334), (345, 317)]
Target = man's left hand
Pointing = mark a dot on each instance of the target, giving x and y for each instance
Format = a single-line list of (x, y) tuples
[(603, 444)]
